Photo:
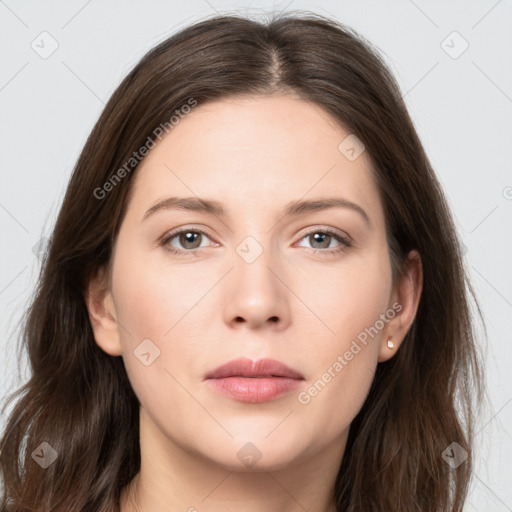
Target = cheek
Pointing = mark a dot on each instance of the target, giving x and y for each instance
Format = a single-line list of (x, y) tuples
[(154, 337), (342, 369), (343, 364), (337, 393), (152, 296), (351, 297), (159, 313)]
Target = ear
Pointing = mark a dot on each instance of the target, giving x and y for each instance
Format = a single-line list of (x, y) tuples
[(102, 314), (404, 302)]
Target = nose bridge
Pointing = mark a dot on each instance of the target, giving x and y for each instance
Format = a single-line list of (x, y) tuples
[(254, 257), (256, 236), (257, 294)]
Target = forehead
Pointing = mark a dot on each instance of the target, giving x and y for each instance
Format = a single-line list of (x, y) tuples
[(256, 152)]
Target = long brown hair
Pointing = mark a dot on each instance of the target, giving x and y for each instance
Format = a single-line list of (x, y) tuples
[(79, 399)]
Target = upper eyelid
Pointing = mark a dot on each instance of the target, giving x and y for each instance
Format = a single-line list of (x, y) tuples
[(174, 232), (332, 231)]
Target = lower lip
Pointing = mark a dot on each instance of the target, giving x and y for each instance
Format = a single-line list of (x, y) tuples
[(254, 390)]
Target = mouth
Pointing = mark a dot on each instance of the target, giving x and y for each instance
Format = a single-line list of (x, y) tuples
[(250, 381)]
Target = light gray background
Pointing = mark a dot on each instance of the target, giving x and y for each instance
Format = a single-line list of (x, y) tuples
[(462, 108)]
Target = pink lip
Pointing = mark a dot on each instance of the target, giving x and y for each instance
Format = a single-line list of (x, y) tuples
[(254, 382)]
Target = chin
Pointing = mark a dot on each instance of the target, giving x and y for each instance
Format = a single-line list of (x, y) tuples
[(256, 453)]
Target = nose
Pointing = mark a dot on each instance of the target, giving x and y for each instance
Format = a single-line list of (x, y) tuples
[(257, 296)]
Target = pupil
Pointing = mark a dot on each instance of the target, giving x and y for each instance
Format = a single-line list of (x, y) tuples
[(324, 236), (189, 238)]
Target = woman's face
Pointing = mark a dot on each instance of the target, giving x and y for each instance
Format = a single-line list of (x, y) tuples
[(307, 286)]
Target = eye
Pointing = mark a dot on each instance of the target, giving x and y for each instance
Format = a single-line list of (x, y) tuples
[(323, 238), (189, 239)]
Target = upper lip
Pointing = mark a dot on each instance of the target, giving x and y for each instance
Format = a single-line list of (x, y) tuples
[(244, 367)]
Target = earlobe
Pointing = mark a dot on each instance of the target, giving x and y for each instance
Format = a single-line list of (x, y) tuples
[(102, 315), (388, 350), (407, 297)]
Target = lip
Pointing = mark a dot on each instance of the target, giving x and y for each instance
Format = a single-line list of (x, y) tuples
[(250, 381)]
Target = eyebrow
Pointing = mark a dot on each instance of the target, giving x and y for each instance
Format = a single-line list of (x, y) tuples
[(293, 208)]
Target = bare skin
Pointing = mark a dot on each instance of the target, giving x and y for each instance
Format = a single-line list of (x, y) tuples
[(254, 155)]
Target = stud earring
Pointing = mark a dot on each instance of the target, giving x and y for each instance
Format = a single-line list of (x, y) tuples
[(391, 345)]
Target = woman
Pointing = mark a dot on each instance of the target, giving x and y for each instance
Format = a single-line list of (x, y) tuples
[(193, 348)]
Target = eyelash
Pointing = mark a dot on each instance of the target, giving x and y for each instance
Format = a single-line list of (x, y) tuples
[(345, 242)]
